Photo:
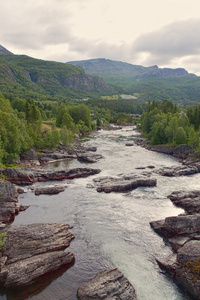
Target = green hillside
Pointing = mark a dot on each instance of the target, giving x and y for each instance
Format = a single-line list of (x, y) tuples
[(25, 77), (148, 83)]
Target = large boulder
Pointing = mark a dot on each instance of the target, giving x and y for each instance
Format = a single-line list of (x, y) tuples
[(188, 200), (107, 285), (31, 251), (181, 225), (9, 205), (185, 267)]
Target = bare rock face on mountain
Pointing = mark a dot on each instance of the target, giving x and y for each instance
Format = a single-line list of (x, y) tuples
[(31, 251), (107, 285), (86, 83)]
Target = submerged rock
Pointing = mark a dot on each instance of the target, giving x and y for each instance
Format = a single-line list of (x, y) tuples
[(31, 251), (107, 285)]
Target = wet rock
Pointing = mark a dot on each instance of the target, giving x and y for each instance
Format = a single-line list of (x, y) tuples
[(178, 171), (92, 149), (181, 151), (185, 267), (31, 251), (188, 225), (49, 156), (107, 285), (28, 176), (188, 200), (124, 184), (49, 190), (89, 158), (9, 206)]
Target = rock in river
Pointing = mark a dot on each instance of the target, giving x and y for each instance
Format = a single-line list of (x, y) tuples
[(29, 176), (9, 205), (49, 190), (124, 184), (31, 251), (188, 200), (107, 285)]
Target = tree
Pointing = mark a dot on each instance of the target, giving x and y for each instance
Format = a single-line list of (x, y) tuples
[(181, 136), (193, 138), (66, 136)]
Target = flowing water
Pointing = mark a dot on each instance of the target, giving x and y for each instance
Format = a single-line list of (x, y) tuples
[(111, 230)]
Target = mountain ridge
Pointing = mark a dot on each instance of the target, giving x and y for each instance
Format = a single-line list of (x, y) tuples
[(103, 66), (53, 79)]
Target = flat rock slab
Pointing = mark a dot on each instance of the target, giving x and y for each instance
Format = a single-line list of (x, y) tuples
[(107, 285), (29, 176), (125, 184), (31, 251)]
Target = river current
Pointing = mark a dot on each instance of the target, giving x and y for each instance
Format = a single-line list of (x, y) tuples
[(111, 230)]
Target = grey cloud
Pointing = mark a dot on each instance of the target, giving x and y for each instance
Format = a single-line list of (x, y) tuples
[(175, 40), (34, 26)]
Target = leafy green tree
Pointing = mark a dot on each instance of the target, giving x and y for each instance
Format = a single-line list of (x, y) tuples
[(158, 135), (181, 136), (66, 136), (193, 138)]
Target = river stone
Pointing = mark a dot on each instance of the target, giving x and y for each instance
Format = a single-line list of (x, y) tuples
[(31, 251), (107, 285), (49, 190)]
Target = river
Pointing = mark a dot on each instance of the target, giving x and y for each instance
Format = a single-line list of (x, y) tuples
[(111, 230)]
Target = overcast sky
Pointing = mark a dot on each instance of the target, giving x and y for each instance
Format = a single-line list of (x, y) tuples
[(144, 32)]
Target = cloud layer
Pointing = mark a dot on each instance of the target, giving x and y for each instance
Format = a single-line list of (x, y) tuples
[(47, 29)]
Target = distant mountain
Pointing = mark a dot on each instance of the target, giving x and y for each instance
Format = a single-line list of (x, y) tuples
[(28, 77), (147, 83), (4, 51), (106, 67)]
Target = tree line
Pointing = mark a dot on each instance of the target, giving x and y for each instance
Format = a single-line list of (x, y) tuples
[(21, 126), (165, 123)]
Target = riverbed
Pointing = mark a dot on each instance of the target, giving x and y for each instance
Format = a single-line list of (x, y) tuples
[(111, 230)]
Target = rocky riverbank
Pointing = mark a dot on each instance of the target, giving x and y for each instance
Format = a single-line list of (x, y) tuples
[(183, 234), (30, 252)]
